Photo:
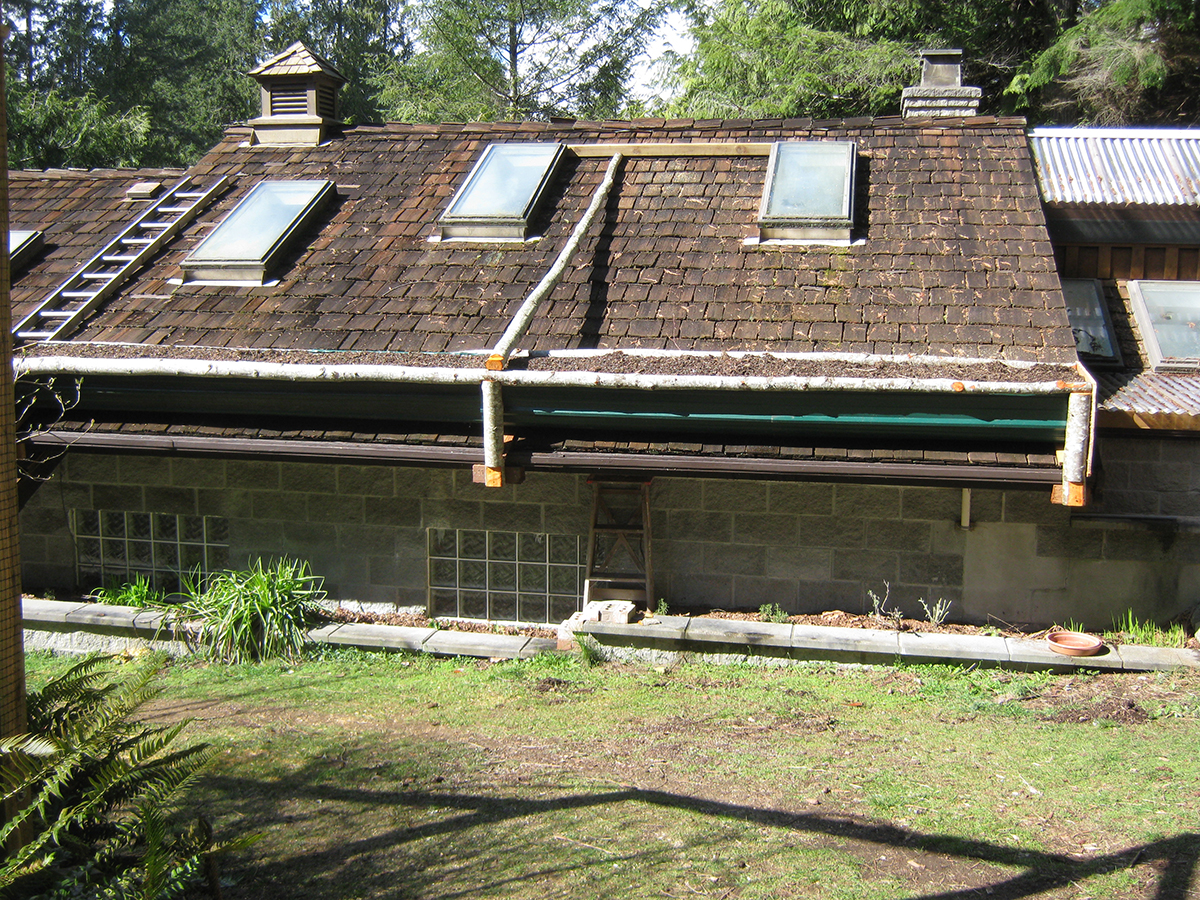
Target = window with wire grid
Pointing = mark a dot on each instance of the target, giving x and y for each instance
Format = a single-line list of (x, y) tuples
[(504, 576), (115, 547)]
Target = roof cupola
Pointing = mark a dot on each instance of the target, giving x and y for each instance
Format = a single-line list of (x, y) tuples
[(299, 98)]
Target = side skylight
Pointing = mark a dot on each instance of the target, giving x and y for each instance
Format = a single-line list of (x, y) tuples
[(501, 195), (1090, 323), (22, 247), (1168, 315), (809, 192), (257, 233)]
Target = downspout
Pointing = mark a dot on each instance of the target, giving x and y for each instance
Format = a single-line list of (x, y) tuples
[(1078, 449), (493, 402)]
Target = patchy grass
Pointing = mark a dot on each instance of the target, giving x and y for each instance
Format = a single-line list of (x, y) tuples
[(391, 776)]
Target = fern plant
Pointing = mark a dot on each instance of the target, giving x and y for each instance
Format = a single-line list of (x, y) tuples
[(258, 614), (95, 794)]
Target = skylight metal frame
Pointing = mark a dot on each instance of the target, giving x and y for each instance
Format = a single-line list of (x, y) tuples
[(831, 224), (513, 223), (23, 245), (210, 260), (1183, 318), (1087, 310)]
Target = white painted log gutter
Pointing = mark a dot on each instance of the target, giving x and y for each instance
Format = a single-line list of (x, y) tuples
[(151, 367)]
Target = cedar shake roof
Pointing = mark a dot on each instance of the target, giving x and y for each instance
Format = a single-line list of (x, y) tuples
[(950, 255), (297, 60), (78, 211)]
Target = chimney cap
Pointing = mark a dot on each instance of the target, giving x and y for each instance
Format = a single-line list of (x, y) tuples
[(941, 91), (297, 60)]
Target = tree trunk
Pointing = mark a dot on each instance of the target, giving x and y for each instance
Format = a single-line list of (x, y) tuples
[(12, 658)]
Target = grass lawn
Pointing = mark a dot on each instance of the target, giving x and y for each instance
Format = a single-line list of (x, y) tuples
[(393, 776)]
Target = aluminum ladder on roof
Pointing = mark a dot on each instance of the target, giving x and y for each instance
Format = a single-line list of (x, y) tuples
[(101, 275), (618, 557)]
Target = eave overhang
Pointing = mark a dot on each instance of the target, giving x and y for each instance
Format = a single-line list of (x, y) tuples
[(978, 412)]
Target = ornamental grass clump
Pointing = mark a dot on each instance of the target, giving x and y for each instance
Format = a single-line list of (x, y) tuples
[(258, 614)]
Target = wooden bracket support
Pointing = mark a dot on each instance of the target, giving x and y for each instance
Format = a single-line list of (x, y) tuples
[(1070, 494), (497, 477)]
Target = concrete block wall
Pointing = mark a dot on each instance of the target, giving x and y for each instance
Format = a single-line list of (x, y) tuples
[(805, 546), (362, 527), (810, 547), (1151, 476)]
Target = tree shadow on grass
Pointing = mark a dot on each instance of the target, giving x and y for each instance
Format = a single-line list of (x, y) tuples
[(369, 863)]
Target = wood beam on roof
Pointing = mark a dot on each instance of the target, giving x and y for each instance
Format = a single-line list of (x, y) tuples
[(719, 148)]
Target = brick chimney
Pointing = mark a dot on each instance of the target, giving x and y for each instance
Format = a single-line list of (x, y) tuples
[(300, 101), (941, 91)]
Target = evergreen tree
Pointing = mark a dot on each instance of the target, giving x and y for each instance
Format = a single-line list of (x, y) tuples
[(538, 58)]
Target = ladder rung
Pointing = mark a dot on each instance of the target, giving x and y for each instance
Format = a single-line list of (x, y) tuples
[(57, 313), (156, 224), (175, 210), (99, 276), (190, 195), (78, 295), (615, 529), (35, 335), (117, 259), (128, 240), (635, 577)]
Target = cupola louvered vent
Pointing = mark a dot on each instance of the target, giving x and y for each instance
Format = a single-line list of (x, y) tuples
[(289, 99), (326, 101)]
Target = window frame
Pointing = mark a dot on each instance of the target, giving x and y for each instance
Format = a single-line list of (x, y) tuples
[(499, 227), (1160, 362), (254, 270), (19, 254), (1094, 359), (775, 226)]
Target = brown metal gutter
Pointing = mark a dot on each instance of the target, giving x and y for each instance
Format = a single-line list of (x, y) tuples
[(433, 454)]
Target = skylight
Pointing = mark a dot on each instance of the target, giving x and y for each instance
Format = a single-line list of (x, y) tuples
[(1168, 314), (22, 247), (1090, 324), (256, 234), (501, 194), (809, 191)]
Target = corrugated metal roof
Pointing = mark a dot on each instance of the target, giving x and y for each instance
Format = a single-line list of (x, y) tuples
[(1154, 166), (1150, 393)]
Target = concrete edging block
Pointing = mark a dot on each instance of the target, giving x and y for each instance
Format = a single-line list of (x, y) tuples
[(920, 646), (1136, 657), (667, 628), (367, 636), (864, 645), (48, 612), (751, 634), (466, 643), (1031, 654), (105, 619), (536, 646)]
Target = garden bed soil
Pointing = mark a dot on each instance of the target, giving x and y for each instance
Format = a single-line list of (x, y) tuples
[(834, 618)]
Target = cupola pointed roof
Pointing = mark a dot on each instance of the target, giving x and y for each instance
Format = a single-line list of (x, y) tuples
[(298, 60)]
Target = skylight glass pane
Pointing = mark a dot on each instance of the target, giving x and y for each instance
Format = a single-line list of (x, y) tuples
[(1088, 314), (18, 239), (809, 180), (1169, 315), (500, 194), (22, 246), (257, 224)]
